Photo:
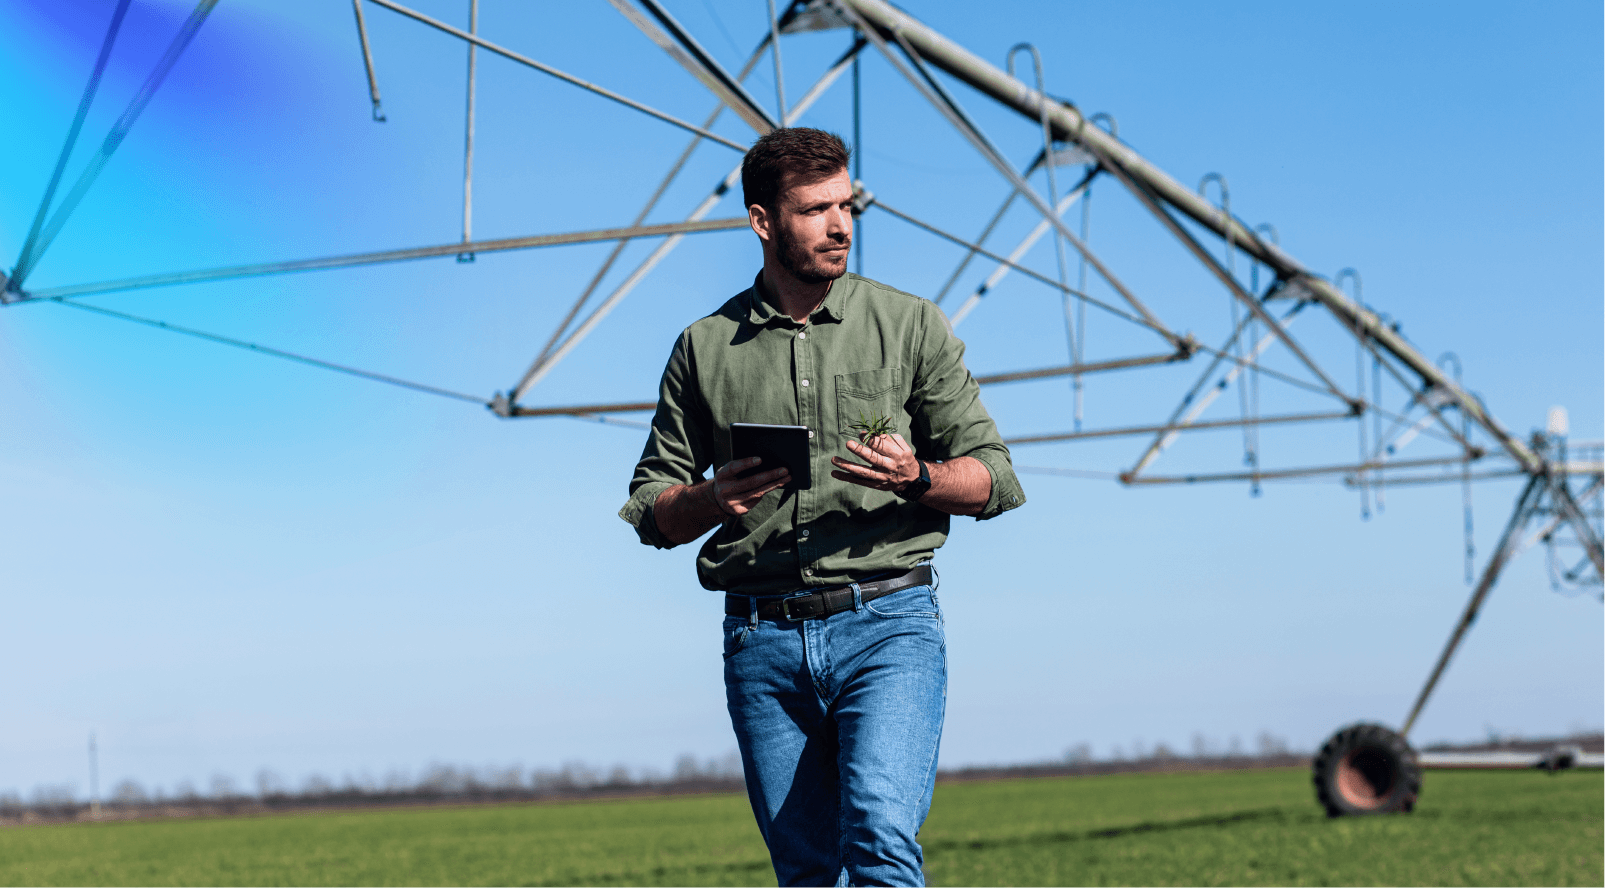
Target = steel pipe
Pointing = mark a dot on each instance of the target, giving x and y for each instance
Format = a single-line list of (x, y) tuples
[(354, 259), (1070, 125)]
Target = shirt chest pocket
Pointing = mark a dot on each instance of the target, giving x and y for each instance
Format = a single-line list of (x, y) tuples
[(868, 395)]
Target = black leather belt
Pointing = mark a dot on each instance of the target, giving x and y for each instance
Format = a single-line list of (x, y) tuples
[(825, 602)]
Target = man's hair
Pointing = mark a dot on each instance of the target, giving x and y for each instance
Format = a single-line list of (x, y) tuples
[(809, 154)]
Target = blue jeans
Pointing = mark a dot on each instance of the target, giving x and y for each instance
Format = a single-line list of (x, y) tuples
[(838, 720)]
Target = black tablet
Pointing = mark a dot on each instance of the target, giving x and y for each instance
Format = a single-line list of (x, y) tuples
[(776, 445)]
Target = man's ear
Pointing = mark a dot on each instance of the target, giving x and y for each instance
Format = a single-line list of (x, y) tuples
[(760, 220)]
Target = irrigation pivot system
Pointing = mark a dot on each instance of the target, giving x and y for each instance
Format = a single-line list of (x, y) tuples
[(1282, 348)]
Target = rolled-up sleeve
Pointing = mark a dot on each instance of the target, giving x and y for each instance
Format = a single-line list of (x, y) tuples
[(949, 418), (677, 447)]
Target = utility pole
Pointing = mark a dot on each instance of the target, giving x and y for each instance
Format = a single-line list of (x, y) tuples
[(94, 778)]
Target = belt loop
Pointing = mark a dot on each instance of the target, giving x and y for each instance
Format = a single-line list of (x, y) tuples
[(858, 597), (752, 619)]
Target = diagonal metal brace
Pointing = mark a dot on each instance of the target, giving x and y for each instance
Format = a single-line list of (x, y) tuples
[(1152, 203), (683, 48), (1573, 513), (932, 90), (1526, 504)]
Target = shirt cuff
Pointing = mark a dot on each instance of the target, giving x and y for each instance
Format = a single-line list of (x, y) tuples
[(1006, 492), (637, 512)]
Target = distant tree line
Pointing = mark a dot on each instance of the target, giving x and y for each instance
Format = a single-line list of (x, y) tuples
[(448, 784), (437, 783)]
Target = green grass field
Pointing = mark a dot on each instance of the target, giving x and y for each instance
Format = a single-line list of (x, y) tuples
[(1232, 828)]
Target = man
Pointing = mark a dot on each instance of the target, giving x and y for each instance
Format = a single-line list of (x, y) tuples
[(835, 663)]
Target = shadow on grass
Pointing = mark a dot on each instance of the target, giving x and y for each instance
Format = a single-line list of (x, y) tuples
[(674, 875), (1146, 826), (686, 874)]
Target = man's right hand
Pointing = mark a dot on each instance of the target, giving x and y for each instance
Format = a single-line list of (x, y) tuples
[(686, 511), (735, 497)]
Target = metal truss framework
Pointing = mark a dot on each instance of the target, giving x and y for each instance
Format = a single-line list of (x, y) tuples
[(1563, 489)]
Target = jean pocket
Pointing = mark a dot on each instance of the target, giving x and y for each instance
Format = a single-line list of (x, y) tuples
[(915, 601), (735, 635)]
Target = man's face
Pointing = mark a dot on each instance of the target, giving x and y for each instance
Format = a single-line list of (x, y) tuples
[(813, 228)]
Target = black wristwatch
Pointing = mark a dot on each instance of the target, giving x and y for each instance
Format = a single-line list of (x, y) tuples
[(913, 490)]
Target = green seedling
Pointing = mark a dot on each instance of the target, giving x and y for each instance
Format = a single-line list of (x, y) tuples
[(872, 426)]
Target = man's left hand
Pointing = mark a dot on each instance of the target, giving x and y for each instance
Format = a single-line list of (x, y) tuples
[(889, 463)]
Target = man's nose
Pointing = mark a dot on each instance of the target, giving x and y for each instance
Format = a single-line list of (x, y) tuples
[(840, 224)]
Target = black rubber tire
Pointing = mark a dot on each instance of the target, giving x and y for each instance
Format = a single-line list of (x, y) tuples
[(1366, 769)]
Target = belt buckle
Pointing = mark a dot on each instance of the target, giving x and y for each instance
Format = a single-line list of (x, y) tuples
[(785, 609)]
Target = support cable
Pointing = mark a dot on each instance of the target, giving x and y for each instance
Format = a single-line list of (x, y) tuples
[(1197, 400), (274, 352), (1151, 201), (1222, 354), (652, 202), (538, 369), (991, 281), (886, 19), (612, 420), (1069, 473), (986, 232), (932, 90), (119, 131), (560, 75), (72, 137), (1010, 263)]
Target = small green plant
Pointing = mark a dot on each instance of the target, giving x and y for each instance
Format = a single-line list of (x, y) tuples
[(872, 426)]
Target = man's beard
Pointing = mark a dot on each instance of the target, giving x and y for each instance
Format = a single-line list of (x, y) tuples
[(803, 263)]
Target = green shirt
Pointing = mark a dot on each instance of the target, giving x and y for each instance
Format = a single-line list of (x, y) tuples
[(867, 348)]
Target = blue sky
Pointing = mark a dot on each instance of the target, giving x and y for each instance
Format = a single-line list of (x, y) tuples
[(221, 562)]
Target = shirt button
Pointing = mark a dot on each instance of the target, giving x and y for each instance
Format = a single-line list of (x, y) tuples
[(802, 335), (805, 383), (808, 571), (805, 533), (810, 433)]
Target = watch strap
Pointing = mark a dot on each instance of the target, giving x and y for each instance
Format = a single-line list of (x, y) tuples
[(913, 490)]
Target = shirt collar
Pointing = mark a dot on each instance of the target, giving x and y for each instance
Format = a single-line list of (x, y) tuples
[(763, 312)]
